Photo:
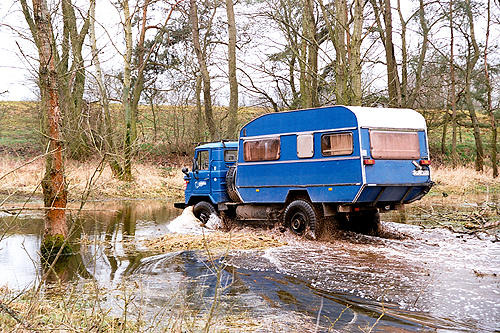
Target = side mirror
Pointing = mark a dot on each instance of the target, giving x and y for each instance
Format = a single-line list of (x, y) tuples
[(185, 171)]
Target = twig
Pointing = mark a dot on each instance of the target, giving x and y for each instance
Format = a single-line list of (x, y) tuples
[(8, 210), (13, 314)]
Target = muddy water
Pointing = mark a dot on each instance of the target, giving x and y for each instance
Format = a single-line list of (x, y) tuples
[(412, 279)]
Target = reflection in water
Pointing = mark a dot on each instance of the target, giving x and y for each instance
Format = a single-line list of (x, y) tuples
[(429, 280)]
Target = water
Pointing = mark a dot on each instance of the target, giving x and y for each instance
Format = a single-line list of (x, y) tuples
[(415, 280)]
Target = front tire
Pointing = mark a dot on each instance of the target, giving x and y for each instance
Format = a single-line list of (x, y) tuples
[(299, 216), (202, 211)]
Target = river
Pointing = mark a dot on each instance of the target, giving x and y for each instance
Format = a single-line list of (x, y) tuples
[(412, 279)]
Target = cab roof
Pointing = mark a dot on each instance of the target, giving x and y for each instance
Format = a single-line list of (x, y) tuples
[(219, 144)]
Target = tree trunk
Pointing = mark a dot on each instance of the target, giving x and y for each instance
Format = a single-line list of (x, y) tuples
[(110, 147), (198, 88), (140, 64), (471, 62), (305, 93), (312, 54), (233, 83), (423, 51), (404, 58), (205, 75), (53, 183), (454, 156), (340, 53), (493, 144), (355, 54), (445, 131), (393, 84), (126, 93), (73, 80)]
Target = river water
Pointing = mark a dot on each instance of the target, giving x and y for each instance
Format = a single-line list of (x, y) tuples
[(410, 280)]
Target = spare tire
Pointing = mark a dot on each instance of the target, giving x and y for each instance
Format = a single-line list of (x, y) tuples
[(231, 183)]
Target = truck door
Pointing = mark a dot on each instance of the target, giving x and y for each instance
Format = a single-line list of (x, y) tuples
[(202, 172)]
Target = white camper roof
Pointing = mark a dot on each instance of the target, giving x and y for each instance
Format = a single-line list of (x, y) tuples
[(388, 118)]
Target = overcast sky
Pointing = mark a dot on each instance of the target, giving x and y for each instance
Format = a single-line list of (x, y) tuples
[(16, 75)]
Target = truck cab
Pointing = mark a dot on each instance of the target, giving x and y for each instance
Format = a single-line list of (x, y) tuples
[(206, 182)]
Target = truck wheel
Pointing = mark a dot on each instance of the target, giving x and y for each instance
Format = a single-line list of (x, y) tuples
[(202, 210), (298, 216)]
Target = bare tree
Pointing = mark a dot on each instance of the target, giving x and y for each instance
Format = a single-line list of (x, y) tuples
[(132, 88), (54, 183), (71, 77), (472, 58), (453, 97), (110, 146), (489, 105), (201, 55), (393, 84), (233, 82)]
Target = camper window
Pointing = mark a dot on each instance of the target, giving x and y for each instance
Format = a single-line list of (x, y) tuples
[(261, 150), (305, 145), (336, 144), (391, 145)]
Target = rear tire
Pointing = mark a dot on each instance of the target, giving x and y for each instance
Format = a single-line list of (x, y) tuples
[(202, 210), (299, 216)]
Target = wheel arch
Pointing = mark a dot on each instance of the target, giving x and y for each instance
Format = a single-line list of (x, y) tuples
[(297, 195), (195, 199)]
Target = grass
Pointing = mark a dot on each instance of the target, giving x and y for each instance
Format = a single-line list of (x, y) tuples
[(216, 242), (19, 126), (462, 181), (150, 180)]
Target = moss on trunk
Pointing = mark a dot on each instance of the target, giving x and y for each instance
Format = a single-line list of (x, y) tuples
[(54, 244)]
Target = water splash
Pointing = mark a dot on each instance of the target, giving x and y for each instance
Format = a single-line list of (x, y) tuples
[(214, 222), (186, 223)]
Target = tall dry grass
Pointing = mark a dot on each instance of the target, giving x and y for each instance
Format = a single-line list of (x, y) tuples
[(150, 181), (463, 180)]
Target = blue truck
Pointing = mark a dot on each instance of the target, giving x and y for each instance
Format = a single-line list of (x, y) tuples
[(305, 168)]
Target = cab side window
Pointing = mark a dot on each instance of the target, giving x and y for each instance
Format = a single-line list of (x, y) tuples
[(202, 160), (230, 155)]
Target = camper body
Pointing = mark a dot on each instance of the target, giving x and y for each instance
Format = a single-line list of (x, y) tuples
[(302, 166)]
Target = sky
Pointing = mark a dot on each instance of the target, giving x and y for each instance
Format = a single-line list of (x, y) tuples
[(17, 81)]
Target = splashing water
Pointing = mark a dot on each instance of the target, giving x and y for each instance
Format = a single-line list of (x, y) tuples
[(187, 223), (214, 222)]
